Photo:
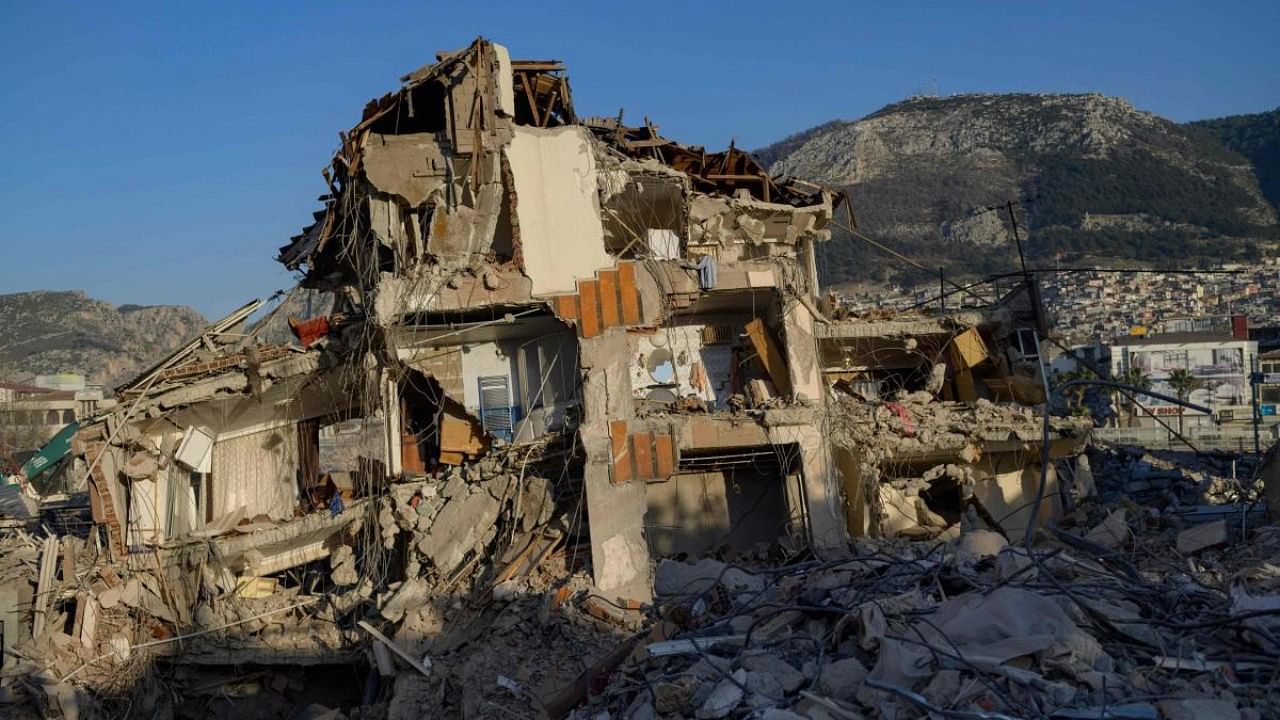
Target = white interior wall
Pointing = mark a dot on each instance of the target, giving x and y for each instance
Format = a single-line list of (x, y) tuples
[(685, 344), (557, 208), (484, 359)]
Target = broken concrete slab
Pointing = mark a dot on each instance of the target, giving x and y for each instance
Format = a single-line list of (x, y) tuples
[(788, 678), (458, 529), (411, 593), (978, 544), (1201, 537), (726, 696), (842, 679), (1112, 532), (1199, 709), (677, 578)]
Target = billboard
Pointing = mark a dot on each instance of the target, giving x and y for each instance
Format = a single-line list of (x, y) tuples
[(1221, 376)]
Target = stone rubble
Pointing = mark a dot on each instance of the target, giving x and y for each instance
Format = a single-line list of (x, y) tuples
[(973, 628)]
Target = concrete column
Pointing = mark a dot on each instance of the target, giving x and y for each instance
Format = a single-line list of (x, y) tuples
[(821, 485), (802, 353), (620, 559), (809, 261), (391, 425)]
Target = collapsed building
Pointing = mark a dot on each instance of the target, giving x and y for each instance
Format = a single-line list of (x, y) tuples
[(932, 414), (519, 272), (548, 332)]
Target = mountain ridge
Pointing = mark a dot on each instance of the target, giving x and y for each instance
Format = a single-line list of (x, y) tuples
[(55, 331), (1092, 176)]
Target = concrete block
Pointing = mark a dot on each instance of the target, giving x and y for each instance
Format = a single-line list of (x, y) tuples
[(678, 578), (788, 678), (1195, 539), (724, 698), (1112, 532)]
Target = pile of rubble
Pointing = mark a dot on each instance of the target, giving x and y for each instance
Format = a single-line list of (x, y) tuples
[(915, 422), (972, 628), (1170, 477), (481, 544), (453, 519)]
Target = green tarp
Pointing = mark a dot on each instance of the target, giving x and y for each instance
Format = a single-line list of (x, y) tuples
[(52, 452)]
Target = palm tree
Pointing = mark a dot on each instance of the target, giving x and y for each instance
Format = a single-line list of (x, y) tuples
[(1183, 383), (1138, 378), (1075, 396)]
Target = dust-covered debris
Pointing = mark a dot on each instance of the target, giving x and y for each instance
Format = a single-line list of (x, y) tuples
[(913, 629), (578, 437)]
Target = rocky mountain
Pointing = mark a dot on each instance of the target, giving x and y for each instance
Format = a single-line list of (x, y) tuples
[(272, 327), (1091, 177), (1255, 136), (47, 331)]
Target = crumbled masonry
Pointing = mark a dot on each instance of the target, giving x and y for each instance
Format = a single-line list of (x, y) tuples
[(579, 438)]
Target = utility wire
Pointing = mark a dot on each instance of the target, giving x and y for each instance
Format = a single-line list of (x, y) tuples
[(903, 258)]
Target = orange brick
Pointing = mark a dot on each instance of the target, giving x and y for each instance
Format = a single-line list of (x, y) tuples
[(642, 447), (567, 307), (621, 458), (588, 292), (609, 298), (628, 293), (664, 446)]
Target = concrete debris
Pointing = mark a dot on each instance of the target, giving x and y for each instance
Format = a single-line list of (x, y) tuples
[(1198, 538), (576, 439), (973, 642), (1113, 532), (461, 526), (677, 578), (724, 697), (1199, 709), (978, 544)]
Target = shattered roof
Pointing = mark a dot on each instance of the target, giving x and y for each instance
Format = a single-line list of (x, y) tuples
[(537, 94)]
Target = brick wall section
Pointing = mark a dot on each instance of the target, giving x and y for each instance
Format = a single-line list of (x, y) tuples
[(609, 300), (643, 455), (101, 503), (182, 371)]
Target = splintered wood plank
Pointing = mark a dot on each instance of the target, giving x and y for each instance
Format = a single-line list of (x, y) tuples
[(968, 349), (621, 458), (609, 298), (567, 307), (664, 446), (589, 291), (628, 293), (642, 446), (767, 350)]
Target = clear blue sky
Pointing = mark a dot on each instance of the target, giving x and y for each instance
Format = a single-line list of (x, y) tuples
[(161, 153)]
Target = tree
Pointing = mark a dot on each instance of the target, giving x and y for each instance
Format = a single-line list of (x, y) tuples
[(1075, 396), (1183, 383), (1138, 378), (21, 429)]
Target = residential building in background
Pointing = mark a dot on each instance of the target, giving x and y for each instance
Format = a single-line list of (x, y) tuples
[(31, 413), (1220, 363)]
